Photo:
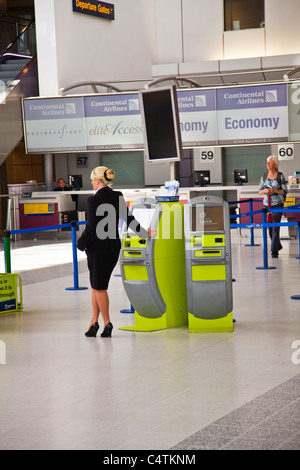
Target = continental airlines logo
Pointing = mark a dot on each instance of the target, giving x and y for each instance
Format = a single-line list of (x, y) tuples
[(57, 109)]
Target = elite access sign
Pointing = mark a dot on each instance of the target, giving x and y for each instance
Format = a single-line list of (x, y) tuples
[(253, 114)]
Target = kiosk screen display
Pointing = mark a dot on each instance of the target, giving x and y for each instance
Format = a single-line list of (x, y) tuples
[(207, 218), (143, 216)]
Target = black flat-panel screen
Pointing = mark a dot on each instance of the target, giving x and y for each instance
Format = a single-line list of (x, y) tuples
[(161, 126)]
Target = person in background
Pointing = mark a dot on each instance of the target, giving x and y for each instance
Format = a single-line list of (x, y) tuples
[(62, 185), (274, 189), (100, 240)]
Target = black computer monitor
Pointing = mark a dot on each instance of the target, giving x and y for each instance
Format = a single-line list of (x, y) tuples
[(201, 177), (240, 176), (161, 126), (75, 181)]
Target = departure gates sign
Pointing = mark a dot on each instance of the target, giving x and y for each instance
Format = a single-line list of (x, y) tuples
[(95, 8)]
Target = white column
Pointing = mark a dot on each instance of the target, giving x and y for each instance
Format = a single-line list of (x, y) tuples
[(46, 47)]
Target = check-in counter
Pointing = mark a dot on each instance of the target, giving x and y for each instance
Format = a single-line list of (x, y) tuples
[(293, 198), (45, 210)]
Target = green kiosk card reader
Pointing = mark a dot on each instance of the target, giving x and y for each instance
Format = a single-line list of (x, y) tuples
[(153, 269), (208, 264)]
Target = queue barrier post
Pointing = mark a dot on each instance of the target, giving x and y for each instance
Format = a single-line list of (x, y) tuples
[(298, 257), (265, 242), (75, 260), (251, 222), (297, 297), (7, 254), (128, 310)]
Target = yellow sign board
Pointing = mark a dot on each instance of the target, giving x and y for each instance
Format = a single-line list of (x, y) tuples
[(38, 209)]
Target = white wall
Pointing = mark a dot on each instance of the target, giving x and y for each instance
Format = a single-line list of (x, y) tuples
[(203, 22), (282, 26), (74, 47), (193, 31), (189, 30), (168, 31)]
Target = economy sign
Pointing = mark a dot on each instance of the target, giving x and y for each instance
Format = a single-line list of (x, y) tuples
[(113, 122), (252, 115), (198, 117), (95, 8), (54, 124)]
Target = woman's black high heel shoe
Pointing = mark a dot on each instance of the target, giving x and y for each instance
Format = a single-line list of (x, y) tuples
[(107, 330), (93, 330)]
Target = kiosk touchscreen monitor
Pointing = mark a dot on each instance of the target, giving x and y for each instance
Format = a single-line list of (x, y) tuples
[(206, 219)]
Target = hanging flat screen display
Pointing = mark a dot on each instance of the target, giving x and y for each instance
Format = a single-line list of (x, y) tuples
[(161, 127)]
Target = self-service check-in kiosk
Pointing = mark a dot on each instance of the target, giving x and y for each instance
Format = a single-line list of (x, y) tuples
[(208, 265), (153, 269)]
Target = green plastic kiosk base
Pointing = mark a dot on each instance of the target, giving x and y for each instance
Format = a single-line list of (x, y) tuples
[(199, 325)]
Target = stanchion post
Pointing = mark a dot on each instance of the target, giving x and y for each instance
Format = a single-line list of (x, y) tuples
[(298, 257), (251, 222), (7, 255), (75, 260), (265, 242)]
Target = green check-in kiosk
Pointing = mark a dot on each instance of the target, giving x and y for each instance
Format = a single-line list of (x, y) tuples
[(208, 264), (153, 269)]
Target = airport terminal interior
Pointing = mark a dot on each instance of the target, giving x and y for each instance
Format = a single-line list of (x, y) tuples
[(220, 368), (167, 389)]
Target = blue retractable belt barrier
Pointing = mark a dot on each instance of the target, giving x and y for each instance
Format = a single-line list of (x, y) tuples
[(7, 253)]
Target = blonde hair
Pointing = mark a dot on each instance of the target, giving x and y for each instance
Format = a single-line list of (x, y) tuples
[(104, 174), (274, 159)]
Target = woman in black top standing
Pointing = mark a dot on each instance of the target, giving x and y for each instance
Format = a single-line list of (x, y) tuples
[(101, 241)]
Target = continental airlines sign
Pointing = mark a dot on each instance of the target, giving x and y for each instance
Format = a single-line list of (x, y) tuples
[(95, 8), (241, 115)]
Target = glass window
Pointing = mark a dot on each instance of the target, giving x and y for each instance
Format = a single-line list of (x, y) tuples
[(243, 14)]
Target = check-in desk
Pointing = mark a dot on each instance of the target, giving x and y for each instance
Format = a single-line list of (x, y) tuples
[(293, 198), (45, 210)]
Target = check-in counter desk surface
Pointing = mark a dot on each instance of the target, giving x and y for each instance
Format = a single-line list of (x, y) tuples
[(43, 208), (246, 193)]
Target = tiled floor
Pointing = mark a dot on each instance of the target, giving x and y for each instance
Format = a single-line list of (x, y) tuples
[(167, 389)]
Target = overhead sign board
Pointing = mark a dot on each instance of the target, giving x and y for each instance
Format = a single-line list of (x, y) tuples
[(54, 124), (253, 114), (95, 8), (294, 110), (113, 122), (208, 117), (198, 117)]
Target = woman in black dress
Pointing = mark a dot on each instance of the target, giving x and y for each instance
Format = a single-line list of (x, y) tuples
[(100, 240)]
